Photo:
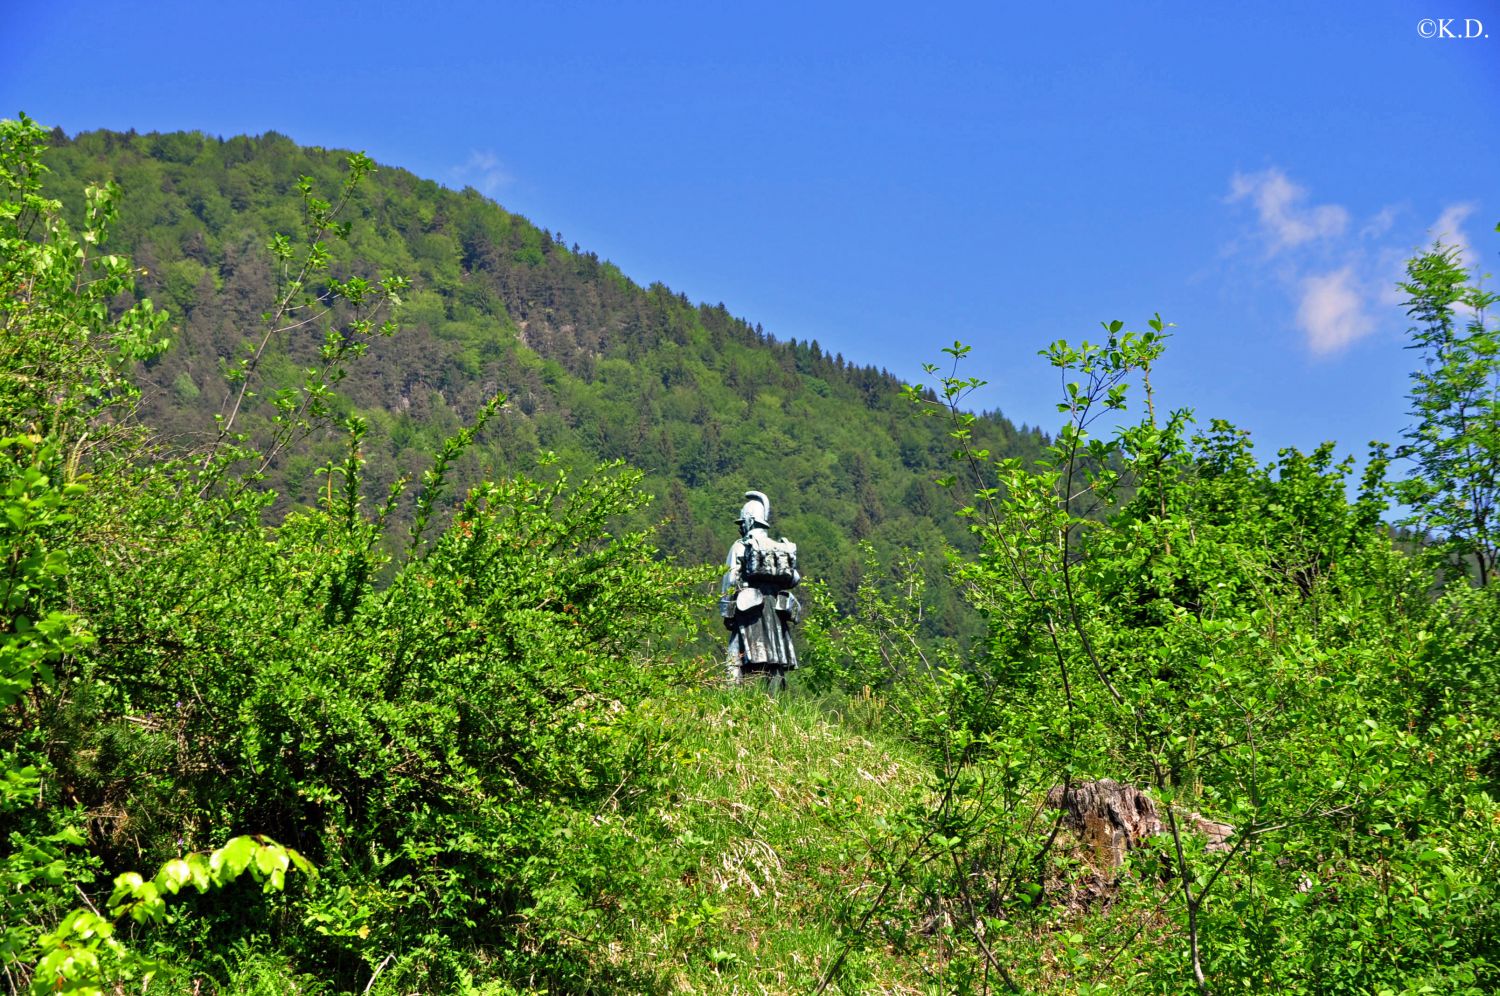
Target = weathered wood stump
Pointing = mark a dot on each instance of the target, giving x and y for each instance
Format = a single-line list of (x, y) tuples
[(1111, 818)]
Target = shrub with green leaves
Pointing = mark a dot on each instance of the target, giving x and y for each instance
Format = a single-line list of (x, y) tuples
[(1244, 640), (450, 726), (65, 393)]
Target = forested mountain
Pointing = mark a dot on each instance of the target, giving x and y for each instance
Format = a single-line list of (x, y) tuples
[(595, 366)]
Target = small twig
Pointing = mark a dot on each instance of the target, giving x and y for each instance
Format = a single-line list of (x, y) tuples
[(1187, 884), (989, 956), (378, 969), (906, 862), (86, 900)]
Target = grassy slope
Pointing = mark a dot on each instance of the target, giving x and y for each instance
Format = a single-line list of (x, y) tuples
[(763, 841), (774, 808)]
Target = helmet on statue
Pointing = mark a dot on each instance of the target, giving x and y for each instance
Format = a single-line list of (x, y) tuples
[(755, 512)]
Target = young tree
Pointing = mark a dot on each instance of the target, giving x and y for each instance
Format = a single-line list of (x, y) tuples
[(1454, 444)]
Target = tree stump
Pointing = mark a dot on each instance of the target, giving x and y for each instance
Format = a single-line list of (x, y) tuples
[(1109, 818)]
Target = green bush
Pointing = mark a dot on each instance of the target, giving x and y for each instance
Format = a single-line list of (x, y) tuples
[(454, 732)]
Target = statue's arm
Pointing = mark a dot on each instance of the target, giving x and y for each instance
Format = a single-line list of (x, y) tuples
[(730, 585), (731, 569)]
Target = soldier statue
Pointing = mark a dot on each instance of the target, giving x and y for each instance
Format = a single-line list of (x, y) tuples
[(756, 598)]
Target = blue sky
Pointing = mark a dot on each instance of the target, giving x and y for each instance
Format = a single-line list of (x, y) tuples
[(886, 179)]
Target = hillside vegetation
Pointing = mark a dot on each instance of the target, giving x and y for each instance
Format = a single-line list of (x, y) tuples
[(270, 730)]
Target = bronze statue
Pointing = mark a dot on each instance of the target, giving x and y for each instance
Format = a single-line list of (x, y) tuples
[(756, 598)]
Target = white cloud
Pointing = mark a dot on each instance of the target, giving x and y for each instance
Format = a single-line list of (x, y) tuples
[(1332, 311), (1380, 223), (483, 171), (1285, 220), (1341, 276), (1449, 230), (1389, 270)]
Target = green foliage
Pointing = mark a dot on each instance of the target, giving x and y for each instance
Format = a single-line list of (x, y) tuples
[(82, 954), (65, 360), (65, 357), (35, 636), (1454, 488), (34, 510), (457, 738), (347, 309), (1246, 641), (476, 714)]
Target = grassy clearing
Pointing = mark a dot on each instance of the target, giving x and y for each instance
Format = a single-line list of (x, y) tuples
[(778, 806)]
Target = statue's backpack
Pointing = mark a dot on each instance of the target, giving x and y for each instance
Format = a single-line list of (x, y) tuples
[(770, 563)]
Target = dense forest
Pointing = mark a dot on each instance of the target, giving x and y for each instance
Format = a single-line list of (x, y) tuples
[(345, 649)]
